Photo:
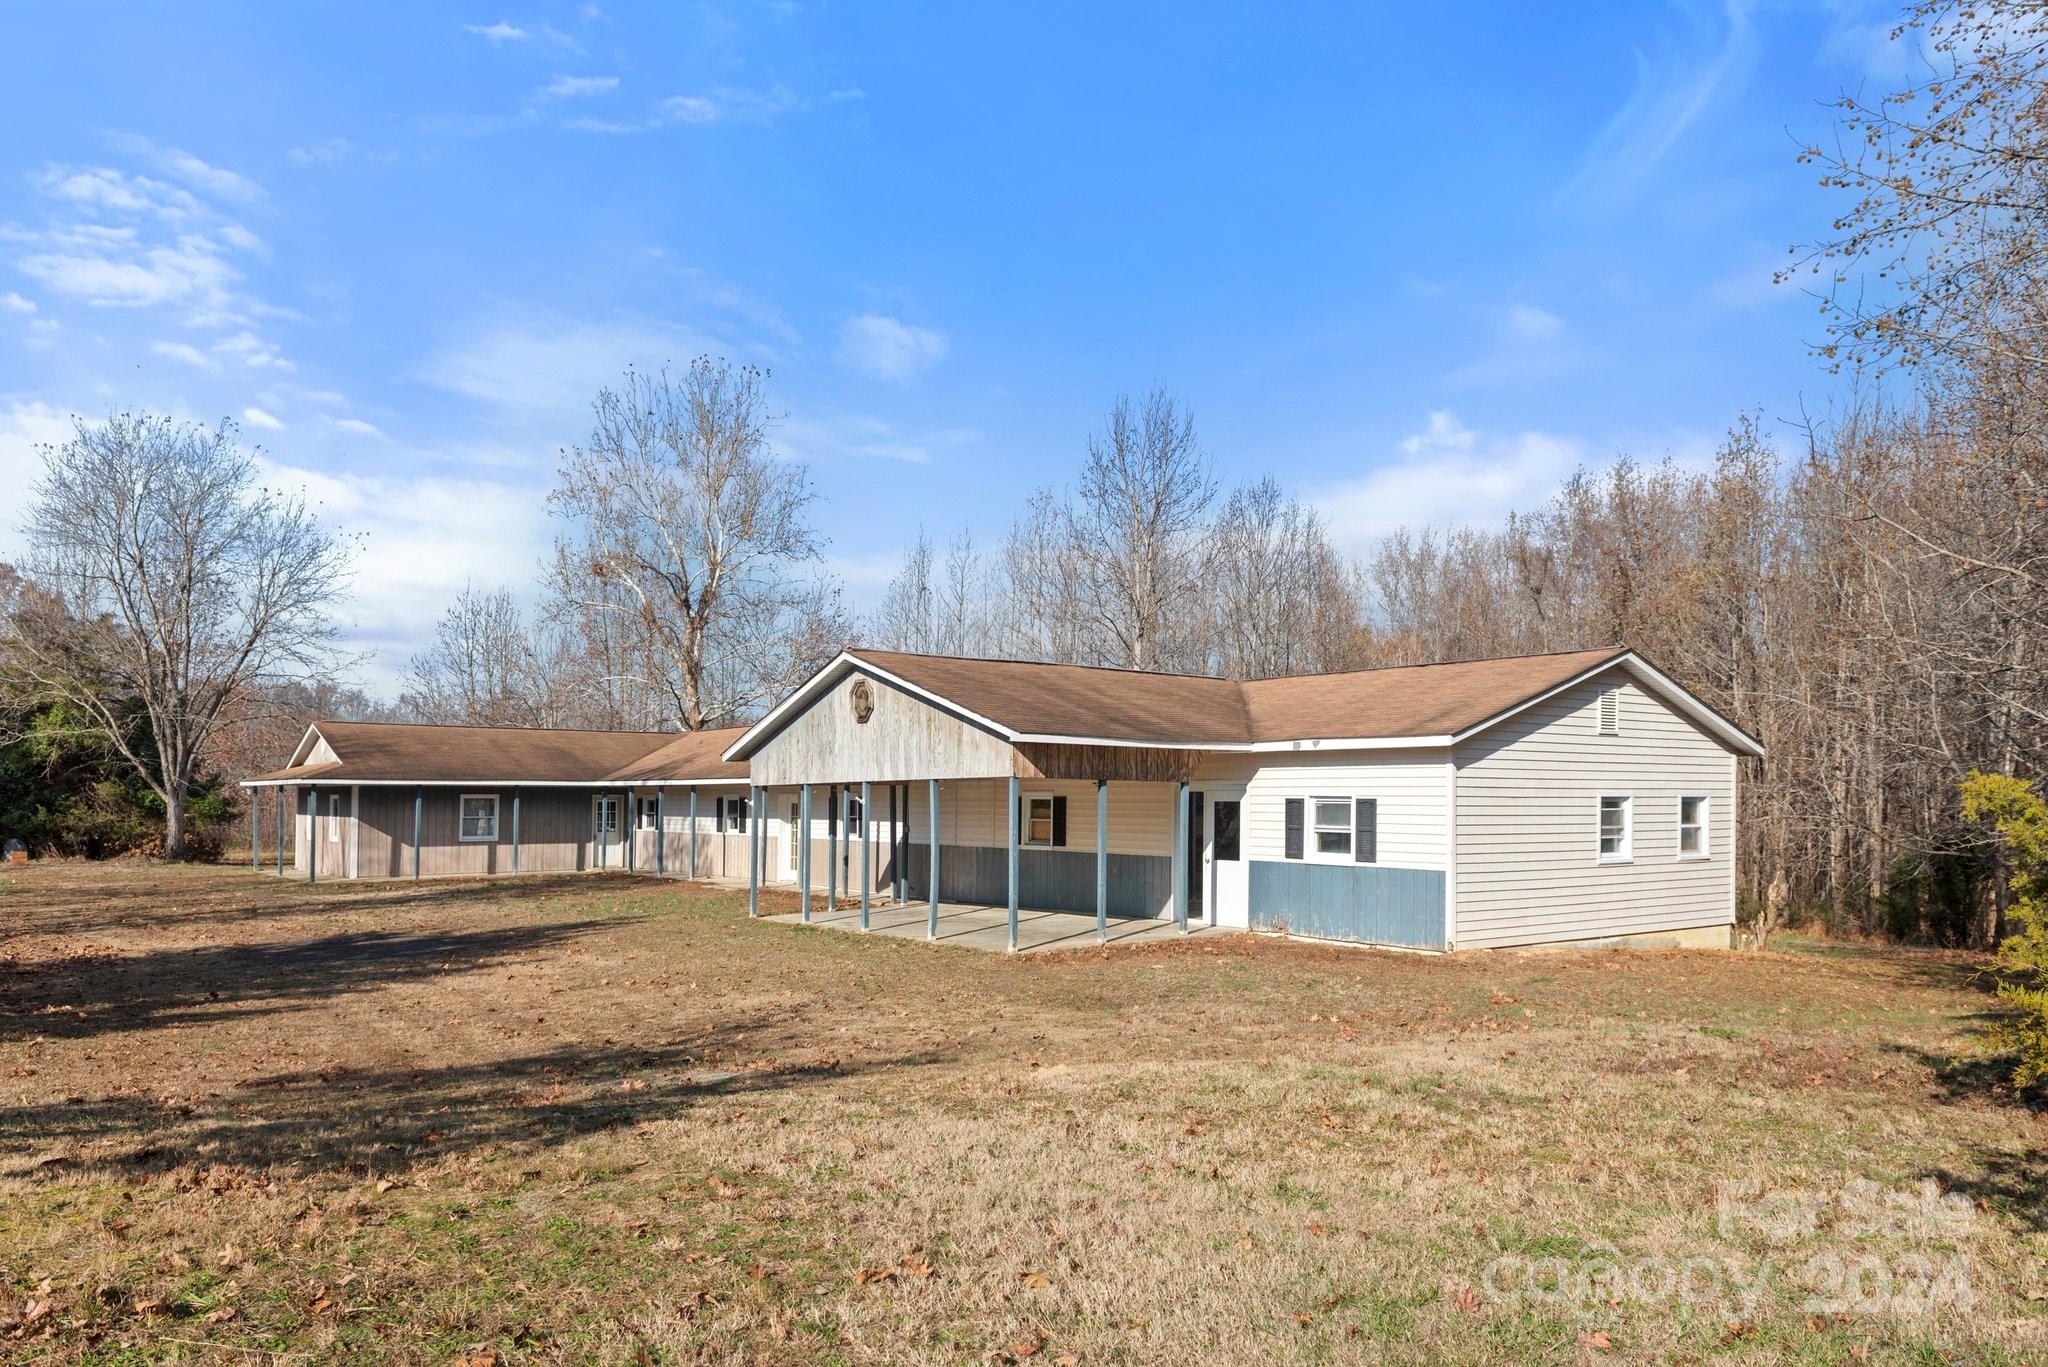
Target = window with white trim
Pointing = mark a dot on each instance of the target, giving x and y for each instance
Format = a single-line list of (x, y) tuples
[(1692, 828), (1610, 711), (732, 815), (1617, 837), (1035, 828), (479, 817), (334, 818), (1333, 825), (649, 814)]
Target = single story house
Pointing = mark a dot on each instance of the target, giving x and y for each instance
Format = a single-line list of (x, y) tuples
[(1582, 797), (1574, 798), (395, 800)]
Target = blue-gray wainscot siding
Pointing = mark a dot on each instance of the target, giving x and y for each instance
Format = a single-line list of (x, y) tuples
[(1047, 880), (1361, 902)]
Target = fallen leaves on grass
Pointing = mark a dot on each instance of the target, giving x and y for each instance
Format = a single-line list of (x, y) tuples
[(1597, 1341)]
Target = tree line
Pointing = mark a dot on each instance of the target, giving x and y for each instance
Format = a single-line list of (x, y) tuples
[(1867, 593)]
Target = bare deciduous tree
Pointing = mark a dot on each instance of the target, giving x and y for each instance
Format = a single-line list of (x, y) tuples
[(165, 587), (684, 539), (490, 666), (1284, 601), (1136, 536)]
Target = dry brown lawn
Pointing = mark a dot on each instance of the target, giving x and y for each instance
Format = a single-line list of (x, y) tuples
[(599, 1119)]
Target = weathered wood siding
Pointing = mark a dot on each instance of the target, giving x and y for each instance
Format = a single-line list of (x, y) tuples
[(906, 738), (1527, 827), (312, 837), (554, 833)]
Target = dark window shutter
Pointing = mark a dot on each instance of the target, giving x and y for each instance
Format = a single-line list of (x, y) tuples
[(832, 811), (1365, 831), (1294, 820), (1059, 823)]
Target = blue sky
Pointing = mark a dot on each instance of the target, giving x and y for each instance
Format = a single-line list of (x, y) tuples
[(1416, 262)]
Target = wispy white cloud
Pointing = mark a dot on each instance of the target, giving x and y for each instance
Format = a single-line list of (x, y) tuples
[(1672, 89), (424, 535), (357, 427), (579, 87), (11, 302), (1448, 474), (500, 32), (728, 104), (25, 426), (886, 348), (215, 182), (548, 367), (187, 353), (256, 417), (833, 438), (1529, 343), (105, 189)]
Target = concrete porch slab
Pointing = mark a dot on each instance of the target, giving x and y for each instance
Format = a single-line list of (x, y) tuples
[(988, 928)]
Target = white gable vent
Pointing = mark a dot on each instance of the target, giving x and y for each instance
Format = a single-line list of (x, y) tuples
[(1610, 711)]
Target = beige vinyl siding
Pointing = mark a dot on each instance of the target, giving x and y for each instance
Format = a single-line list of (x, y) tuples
[(1527, 822), (554, 833), (973, 813), (1409, 785)]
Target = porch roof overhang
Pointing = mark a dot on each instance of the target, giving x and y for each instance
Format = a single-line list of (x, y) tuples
[(391, 754)]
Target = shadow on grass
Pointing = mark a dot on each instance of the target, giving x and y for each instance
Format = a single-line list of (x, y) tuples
[(100, 994), (2011, 1185), (170, 903), (363, 1122)]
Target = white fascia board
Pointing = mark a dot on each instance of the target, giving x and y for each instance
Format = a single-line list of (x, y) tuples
[(1662, 685), (338, 780), (305, 744), (1263, 747)]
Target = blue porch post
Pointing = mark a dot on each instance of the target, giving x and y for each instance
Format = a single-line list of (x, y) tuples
[(661, 830), (1101, 859), (931, 928), (312, 835), (693, 830), (895, 850), (867, 877), (1180, 854), (753, 824), (802, 835), (631, 802), (419, 802), (255, 818), (280, 830), (515, 829), (1013, 863)]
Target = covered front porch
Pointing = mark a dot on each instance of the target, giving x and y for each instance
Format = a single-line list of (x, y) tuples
[(987, 927)]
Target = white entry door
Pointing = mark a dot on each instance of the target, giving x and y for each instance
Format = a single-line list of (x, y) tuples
[(796, 834), (1228, 876), (609, 851)]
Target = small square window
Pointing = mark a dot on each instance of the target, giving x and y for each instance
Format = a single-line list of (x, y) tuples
[(1692, 828), (1333, 825), (650, 814), (1038, 820), (479, 817), (1616, 838)]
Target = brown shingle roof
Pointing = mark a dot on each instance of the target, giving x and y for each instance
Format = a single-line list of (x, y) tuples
[(1415, 700), (1078, 700), (393, 751), (1130, 705)]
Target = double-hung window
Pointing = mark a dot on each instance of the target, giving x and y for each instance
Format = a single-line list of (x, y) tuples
[(1692, 828), (1333, 825), (649, 815), (334, 818), (479, 817), (1617, 837), (1041, 821), (732, 815)]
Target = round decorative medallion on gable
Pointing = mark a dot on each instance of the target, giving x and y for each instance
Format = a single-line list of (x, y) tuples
[(862, 696)]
